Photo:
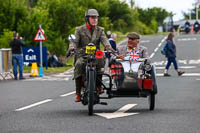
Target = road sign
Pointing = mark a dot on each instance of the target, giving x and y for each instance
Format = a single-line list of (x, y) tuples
[(39, 36), (32, 54)]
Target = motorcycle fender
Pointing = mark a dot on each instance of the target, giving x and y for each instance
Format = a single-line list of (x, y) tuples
[(148, 84)]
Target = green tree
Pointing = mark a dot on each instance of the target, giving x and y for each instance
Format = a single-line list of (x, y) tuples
[(5, 38), (11, 12)]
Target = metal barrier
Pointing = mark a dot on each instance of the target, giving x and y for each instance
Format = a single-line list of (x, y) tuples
[(5, 62)]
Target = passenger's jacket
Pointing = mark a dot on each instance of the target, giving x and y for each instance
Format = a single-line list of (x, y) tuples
[(171, 49), (142, 50)]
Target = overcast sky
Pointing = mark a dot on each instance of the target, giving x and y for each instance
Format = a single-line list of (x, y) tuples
[(175, 6)]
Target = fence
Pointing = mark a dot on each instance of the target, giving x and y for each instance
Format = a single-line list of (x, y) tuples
[(5, 62)]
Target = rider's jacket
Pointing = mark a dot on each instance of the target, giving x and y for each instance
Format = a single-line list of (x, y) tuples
[(142, 51), (84, 37)]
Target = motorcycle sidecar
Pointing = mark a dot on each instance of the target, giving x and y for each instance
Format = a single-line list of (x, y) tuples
[(132, 80)]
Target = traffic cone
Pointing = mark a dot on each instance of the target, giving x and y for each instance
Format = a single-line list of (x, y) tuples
[(192, 29), (34, 70)]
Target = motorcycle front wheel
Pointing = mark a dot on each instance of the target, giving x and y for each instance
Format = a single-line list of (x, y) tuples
[(91, 88)]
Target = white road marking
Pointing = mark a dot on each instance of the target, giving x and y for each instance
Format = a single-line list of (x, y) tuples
[(186, 39), (33, 105), (191, 62), (159, 63), (194, 61), (61, 75), (182, 61), (68, 94), (197, 79), (182, 67), (151, 56), (144, 41), (156, 49), (159, 44), (184, 75), (118, 113)]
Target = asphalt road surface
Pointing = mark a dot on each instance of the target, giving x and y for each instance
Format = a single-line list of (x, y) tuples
[(46, 105)]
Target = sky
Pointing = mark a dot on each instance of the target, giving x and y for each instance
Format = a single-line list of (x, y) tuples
[(175, 6)]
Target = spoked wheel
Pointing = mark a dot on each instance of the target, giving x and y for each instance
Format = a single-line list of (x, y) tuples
[(91, 88), (151, 101)]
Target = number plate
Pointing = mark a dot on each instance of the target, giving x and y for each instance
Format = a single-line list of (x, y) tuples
[(90, 49)]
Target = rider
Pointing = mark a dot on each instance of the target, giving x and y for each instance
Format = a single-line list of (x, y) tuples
[(85, 34), (187, 26), (133, 43), (196, 26)]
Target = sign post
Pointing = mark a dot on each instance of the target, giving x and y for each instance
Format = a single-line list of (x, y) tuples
[(40, 37)]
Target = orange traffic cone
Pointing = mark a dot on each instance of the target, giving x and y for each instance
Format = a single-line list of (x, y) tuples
[(192, 29), (34, 70)]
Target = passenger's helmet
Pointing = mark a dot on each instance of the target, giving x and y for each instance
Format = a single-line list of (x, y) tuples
[(91, 12)]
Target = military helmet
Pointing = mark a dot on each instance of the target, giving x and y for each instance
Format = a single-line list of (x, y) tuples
[(91, 12)]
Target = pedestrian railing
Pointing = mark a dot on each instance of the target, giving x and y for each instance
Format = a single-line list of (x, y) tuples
[(5, 63)]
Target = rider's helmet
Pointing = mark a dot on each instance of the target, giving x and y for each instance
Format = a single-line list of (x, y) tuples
[(91, 12)]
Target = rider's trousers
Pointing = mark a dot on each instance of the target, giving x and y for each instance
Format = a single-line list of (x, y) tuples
[(78, 85)]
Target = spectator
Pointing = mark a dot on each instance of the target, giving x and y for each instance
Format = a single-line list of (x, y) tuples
[(17, 56), (112, 41), (54, 62)]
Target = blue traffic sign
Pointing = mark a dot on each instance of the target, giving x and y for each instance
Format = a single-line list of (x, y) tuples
[(32, 54)]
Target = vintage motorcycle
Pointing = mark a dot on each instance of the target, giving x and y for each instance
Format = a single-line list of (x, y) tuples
[(125, 79)]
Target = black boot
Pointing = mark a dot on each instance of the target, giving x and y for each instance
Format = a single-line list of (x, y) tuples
[(166, 75), (180, 73)]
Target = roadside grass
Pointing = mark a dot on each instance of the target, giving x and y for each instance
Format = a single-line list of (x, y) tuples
[(51, 70)]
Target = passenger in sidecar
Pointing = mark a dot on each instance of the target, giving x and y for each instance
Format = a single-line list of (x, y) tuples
[(131, 69)]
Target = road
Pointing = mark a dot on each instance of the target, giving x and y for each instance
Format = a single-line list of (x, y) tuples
[(46, 105)]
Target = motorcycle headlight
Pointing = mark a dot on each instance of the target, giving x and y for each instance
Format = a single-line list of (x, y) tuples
[(147, 67)]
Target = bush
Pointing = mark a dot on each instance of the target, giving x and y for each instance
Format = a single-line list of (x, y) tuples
[(5, 38)]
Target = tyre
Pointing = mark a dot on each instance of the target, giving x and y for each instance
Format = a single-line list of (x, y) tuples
[(155, 90), (151, 101), (91, 88)]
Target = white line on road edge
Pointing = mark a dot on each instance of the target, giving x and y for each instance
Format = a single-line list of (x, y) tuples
[(197, 79), (156, 49), (152, 55), (33, 105), (184, 75), (67, 94)]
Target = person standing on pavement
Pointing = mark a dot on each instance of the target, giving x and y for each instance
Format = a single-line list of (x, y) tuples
[(17, 56), (112, 41), (171, 55), (85, 34)]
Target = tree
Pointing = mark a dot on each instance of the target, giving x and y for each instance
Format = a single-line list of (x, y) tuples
[(5, 38)]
